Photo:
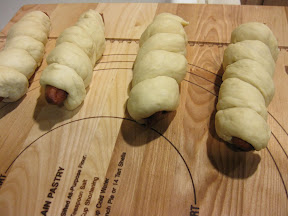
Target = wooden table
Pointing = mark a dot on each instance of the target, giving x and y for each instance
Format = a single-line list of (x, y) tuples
[(96, 160)]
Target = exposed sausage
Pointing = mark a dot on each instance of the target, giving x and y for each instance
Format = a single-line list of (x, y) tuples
[(241, 144), (54, 95), (102, 17), (46, 14)]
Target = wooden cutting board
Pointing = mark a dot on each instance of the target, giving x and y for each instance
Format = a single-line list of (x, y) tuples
[(96, 160)]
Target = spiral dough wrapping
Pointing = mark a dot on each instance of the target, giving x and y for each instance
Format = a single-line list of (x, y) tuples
[(22, 54), (159, 68), (247, 88)]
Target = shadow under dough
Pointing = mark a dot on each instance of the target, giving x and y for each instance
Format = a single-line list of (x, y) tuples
[(136, 134), (47, 115), (224, 158)]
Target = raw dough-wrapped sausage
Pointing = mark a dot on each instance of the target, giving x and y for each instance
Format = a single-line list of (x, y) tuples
[(164, 64), (23, 52), (158, 69), (34, 47), (153, 95), (163, 41), (254, 73), (76, 52), (243, 123), (18, 59), (72, 56), (163, 25), (247, 87), (256, 31), (237, 93), (65, 78), (13, 85), (249, 49), (35, 24)]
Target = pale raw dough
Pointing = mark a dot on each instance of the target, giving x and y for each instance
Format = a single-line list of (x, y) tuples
[(34, 47), (39, 17), (163, 26), (160, 63), (153, 95), (13, 85), (65, 78), (171, 16), (237, 93), (28, 28), (254, 73), (77, 36), (249, 49), (72, 56), (91, 22), (23, 52), (71, 62), (243, 123), (93, 16), (163, 41), (19, 59), (256, 31)]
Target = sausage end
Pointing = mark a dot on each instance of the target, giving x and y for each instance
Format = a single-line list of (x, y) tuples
[(54, 95), (242, 144)]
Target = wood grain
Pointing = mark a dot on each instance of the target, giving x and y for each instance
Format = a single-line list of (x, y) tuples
[(103, 162)]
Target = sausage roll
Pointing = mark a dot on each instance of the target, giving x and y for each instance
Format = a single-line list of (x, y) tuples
[(159, 68), (247, 87), (71, 62), (22, 54)]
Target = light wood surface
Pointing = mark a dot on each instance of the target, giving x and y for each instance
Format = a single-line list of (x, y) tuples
[(95, 160)]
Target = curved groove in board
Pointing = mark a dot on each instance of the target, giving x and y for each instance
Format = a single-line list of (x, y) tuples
[(164, 137), (203, 78), (279, 144), (205, 70), (278, 123), (200, 87), (113, 117), (280, 174)]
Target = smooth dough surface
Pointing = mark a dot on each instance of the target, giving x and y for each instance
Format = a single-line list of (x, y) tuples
[(95, 29), (34, 47), (94, 15), (72, 56), (256, 31), (160, 63), (163, 41), (243, 123), (65, 78), (18, 59), (171, 16), (254, 73), (249, 49), (163, 26), (83, 40), (39, 17), (13, 85), (237, 93), (29, 28), (153, 95)]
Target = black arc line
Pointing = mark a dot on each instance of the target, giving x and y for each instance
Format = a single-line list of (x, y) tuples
[(113, 117), (278, 171), (209, 92), (265, 148), (205, 70), (200, 87), (279, 144), (203, 78)]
